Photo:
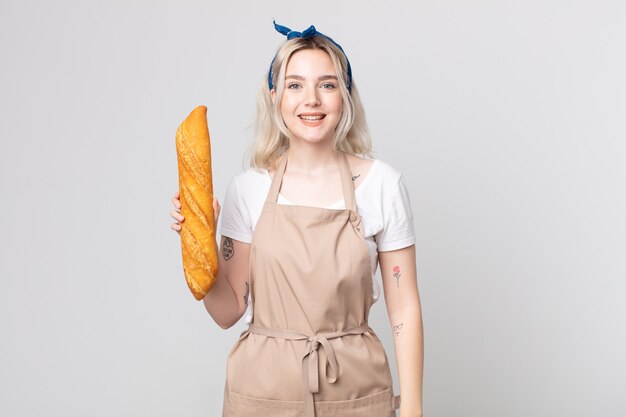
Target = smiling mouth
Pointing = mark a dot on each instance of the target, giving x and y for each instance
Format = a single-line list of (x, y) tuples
[(312, 118)]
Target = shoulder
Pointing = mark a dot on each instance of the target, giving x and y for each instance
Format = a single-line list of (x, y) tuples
[(386, 171), (381, 175), (357, 162), (247, 189), (251, 178), (243, 203), (364, 164)]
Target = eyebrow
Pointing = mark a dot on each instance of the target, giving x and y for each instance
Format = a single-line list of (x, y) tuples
[(322, 78)]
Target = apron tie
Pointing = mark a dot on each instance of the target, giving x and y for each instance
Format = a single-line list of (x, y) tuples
[(310, 374)]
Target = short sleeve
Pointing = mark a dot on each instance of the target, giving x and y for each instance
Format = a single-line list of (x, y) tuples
[(234, 216), (398, 230)]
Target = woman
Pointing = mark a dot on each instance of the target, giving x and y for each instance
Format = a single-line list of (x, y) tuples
[(303, 231)]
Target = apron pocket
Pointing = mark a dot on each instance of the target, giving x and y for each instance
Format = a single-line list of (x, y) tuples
[(241, 405), (376, 405)]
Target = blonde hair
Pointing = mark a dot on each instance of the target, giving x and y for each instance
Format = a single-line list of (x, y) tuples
[(271, 136)]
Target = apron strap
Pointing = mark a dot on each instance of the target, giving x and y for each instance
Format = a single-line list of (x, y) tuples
[(277, 180), (346, 181)]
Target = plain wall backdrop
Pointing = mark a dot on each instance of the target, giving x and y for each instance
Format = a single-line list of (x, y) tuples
[(506, 118)]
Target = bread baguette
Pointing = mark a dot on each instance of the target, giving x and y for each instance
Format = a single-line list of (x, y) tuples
[(195, 180)]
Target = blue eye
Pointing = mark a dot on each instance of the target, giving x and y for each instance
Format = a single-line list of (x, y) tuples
[(293, 86), (328, 85)]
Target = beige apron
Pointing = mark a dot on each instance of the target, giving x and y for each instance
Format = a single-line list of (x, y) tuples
[(309, 351)]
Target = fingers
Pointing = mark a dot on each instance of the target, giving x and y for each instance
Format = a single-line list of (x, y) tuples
[(216, 209), (177, 215), (176, 201)]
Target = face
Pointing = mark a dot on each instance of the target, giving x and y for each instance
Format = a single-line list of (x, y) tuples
[(312, 104)]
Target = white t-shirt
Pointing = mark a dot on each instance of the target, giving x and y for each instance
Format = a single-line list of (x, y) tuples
[(382, 201)]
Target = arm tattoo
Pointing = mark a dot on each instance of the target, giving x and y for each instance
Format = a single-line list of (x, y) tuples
[(396, 329), (227, 248), (397, 274), (245, 297), (355, 177)]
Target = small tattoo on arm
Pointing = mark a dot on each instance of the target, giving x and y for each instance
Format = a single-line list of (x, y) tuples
[(396, 329), (227, 248), (245, 297), (397, 274), (355, 177)]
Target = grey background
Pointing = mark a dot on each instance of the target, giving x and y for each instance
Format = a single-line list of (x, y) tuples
[(507, 119)]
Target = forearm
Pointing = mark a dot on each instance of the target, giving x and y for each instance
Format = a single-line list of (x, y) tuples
[(409, 348), (221, 301)]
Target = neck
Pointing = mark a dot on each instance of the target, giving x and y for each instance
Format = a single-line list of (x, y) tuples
[(311, 159)]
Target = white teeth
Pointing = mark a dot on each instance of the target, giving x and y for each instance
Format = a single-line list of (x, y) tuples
[(312, 117)]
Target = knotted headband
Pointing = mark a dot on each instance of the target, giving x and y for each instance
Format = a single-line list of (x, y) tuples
[(311, 31)]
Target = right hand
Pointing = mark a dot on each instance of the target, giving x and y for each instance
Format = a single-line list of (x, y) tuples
[(176, 226), (176, 213)]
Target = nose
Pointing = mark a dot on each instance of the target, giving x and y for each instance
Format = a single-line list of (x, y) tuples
[(312, 97)]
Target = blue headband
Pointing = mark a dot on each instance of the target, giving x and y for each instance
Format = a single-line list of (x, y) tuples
[(306, 34)]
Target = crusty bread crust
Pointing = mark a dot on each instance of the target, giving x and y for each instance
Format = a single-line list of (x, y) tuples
[(199, 247)]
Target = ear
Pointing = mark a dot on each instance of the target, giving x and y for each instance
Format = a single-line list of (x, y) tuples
[(273, 95)]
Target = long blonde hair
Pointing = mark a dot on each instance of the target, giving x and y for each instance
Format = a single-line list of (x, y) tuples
[(271, 136)]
